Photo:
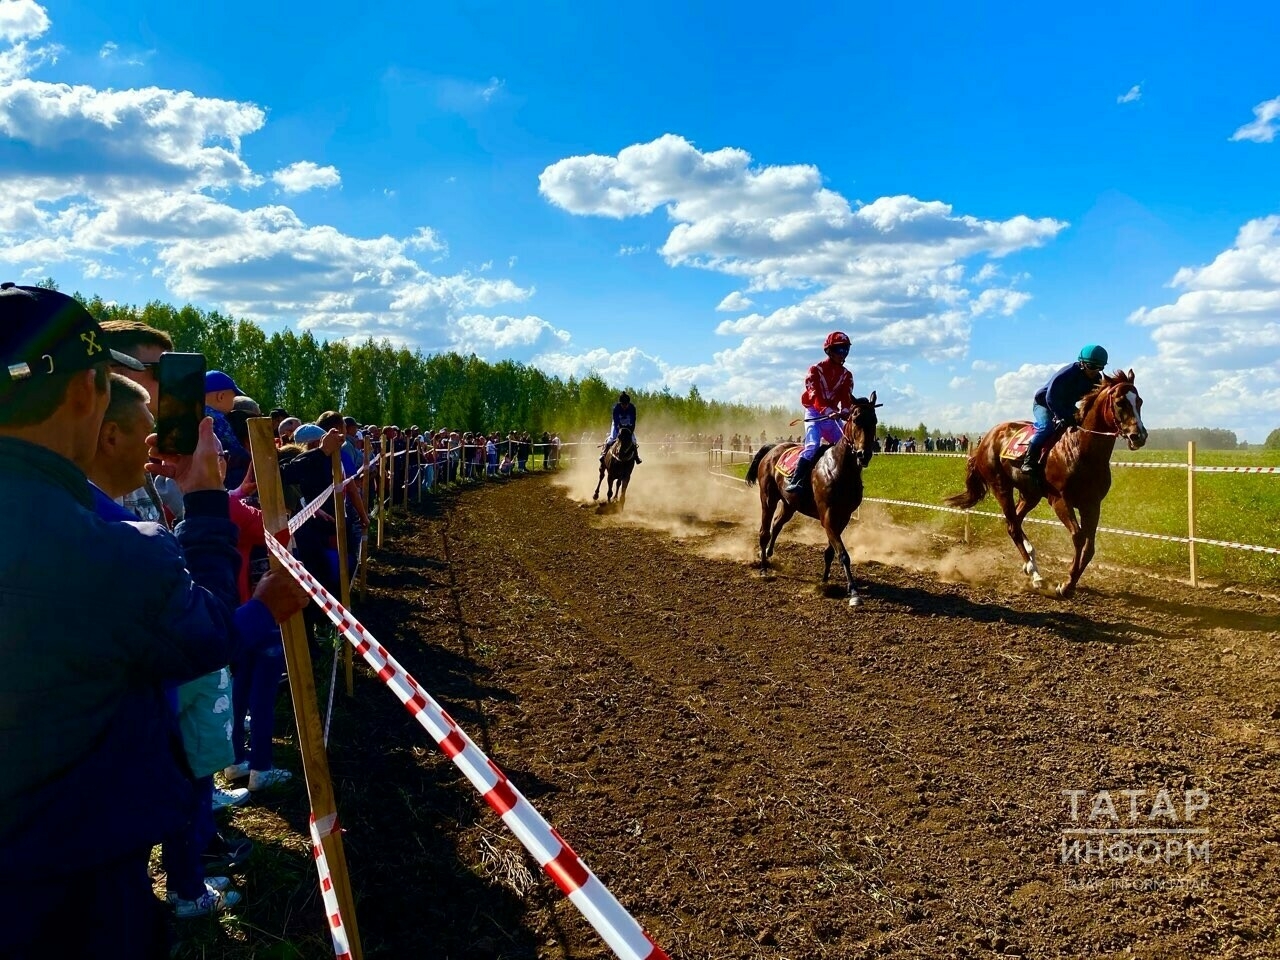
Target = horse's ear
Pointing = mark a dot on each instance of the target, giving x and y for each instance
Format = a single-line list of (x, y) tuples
[(872, 399), (1131, 374)]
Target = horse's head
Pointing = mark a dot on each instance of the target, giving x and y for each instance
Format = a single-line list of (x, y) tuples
[(626, 438), (859, 430), (1123, 407)]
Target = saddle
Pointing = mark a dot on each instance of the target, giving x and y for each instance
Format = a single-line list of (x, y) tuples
[(786, 463), (1015, 447)]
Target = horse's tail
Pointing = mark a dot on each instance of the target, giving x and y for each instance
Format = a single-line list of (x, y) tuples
[(753, 471), (975, 488)]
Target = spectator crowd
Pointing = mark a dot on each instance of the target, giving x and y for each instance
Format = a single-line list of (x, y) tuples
[(142, 641)]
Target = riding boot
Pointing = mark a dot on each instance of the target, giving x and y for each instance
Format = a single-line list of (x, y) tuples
[(604, 451), (637, 449), (1031, 463), (800, 482)]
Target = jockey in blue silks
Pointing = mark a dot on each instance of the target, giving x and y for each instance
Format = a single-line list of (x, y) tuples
[(624, 415), (828, 388), (1056, 401)]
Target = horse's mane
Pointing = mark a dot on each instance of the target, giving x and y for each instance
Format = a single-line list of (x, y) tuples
[(1109, 380)]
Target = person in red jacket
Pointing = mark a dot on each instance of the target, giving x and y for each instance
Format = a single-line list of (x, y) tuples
[(828, 388)]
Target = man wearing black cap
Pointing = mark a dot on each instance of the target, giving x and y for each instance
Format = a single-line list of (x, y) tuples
[(97, 617)]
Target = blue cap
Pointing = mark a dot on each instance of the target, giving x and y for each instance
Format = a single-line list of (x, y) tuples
[(216, 380), (308, 432)]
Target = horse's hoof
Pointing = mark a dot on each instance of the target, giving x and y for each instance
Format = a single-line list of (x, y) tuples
[(595, 496), (1065, 590), (855, 601)]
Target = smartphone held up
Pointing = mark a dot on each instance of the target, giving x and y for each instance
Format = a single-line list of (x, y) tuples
[(181, 405)]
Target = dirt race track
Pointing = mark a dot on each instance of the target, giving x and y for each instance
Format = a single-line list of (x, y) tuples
[(757, 771)]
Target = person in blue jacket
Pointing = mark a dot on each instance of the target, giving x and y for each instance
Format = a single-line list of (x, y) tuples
[(1056, 401), (98, 616), (624, 415)]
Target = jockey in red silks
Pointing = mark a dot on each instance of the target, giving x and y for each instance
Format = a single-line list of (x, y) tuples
[(828, 388)]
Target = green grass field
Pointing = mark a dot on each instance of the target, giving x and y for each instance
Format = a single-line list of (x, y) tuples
[(1242, 508)]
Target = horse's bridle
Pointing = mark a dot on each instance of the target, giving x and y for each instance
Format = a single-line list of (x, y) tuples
[(1109, 414), (863, 456)]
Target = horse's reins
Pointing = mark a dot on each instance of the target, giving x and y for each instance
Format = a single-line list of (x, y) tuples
[(1110, 415)]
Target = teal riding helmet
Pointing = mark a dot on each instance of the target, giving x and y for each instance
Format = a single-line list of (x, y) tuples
[(1093, 355)]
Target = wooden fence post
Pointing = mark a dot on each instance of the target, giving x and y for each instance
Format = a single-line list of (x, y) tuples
[(382, 487), (344, 571), (367, 542), (302, 687), (1191, 507), (421, 478)]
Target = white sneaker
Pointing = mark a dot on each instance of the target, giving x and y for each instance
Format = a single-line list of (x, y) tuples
[(235, 797), (208, 904), (263, 779), (236, 771)]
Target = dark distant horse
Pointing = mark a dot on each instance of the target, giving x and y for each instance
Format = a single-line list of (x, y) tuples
[(1077, 474), (618, 464), (835, 488)]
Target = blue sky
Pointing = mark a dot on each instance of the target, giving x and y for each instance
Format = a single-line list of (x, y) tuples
[(670, 196)]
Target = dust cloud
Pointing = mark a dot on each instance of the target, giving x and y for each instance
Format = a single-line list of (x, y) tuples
[(680, 495)]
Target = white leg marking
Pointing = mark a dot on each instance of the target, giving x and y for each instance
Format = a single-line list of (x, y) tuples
[(1030, 567)]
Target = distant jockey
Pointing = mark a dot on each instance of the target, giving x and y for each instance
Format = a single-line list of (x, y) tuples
[(624, 415), (828, 388), (1056, 401)]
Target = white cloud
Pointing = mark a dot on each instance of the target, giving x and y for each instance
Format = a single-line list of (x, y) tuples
[(508, 336), (631, 367), (988, 273), (1134, 94), (108, 49), (22, 20), (491, 89), (888, 272), (486, 266), (424, 238), (960, 383), (734, 303), (66, 140), (304, 175), (511, 261), (629, 251), (152, 179), (985, 366), (1265, 123), (1217, 347)]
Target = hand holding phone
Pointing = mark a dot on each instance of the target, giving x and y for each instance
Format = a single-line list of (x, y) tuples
[(181, 402), (192, 473)]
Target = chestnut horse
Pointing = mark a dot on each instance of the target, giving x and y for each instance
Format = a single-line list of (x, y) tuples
[(835, 487), (618, 464), (1077, 474)]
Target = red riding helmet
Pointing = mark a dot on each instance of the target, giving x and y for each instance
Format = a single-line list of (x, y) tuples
[(836, 338)]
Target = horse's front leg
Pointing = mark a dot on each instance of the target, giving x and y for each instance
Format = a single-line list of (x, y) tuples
[(596, 495), (828, 555), (1013, 516), (1083, 535), (836, 545)]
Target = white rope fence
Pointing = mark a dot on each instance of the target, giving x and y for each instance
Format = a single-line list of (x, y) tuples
[(717, 458)]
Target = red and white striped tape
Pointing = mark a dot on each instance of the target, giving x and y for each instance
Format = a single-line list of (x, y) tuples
[(584, 889), (333, 914)]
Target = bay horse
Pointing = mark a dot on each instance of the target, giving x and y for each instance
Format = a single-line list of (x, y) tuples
[(1077, 474), (835, 488), (618, 464)]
